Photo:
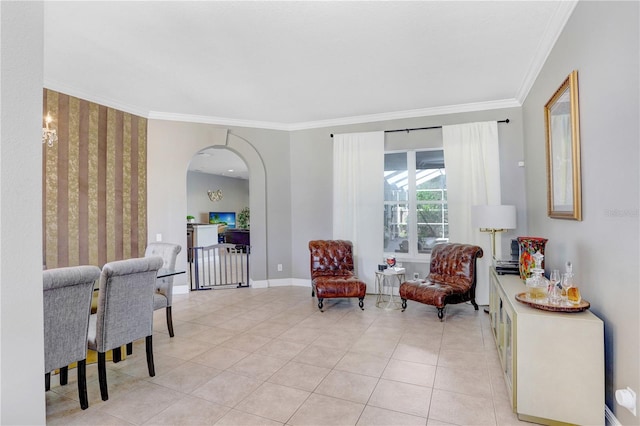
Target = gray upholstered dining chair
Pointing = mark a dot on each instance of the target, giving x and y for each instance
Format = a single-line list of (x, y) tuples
[(67, 305), (125, 311), (164, 286)]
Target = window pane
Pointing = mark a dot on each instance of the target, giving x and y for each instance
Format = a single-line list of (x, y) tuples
[(395, 227), (396, 177)]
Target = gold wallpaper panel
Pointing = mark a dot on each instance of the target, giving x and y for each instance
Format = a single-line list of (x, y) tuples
[(94, 183)]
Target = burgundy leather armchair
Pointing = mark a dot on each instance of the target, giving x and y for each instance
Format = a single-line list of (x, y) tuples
[(451, 279), (332, 271)]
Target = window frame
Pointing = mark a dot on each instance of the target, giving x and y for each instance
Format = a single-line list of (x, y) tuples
[(412, 204)]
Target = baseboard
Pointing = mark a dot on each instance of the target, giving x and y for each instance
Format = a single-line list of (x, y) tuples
[(610, 418)]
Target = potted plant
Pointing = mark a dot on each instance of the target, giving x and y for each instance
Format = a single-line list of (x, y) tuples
[(191, 219), (243, 218)]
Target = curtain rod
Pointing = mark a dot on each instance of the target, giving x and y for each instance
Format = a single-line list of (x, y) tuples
[(425, 128)]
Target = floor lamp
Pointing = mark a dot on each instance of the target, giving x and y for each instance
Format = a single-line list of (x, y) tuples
[(492, 219)]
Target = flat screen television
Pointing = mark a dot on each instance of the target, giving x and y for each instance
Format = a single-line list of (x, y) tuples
[(223, 218)]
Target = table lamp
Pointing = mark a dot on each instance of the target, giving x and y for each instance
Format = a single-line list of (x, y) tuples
[(492, 219)]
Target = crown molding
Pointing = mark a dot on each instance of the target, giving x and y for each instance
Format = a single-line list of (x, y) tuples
[(203, 119), (423, 112), (551, 34), (110, 103), (360, 119), (231, 122)]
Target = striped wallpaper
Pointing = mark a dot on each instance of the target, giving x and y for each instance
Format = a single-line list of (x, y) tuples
[(94, 184)]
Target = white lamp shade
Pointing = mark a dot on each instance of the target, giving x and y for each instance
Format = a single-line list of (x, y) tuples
[(493, 217)]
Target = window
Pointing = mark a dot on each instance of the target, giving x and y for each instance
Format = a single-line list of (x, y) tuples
[(415, 202)]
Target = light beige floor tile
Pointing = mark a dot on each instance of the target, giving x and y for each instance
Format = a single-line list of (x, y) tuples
[(189, 411), (62, 410), (420, 354), (374, 345), (227, 389), (139, 405), (375, 416), (349, 386), (294, 346), (237, 324), (324, 410), (301, 376), (136, 365), (186, 377), (220, 358), (213, 335), (470, 382), (461, 409), (270, 328), (300, 334), (257, 366), (181, 347), (181, 328), (403, 397), (410, 372), (459, 359), (246, 342), (505, 415), (463, 341), (273, 401), (362, 363), (236, 418), (281, 349), (92, 417), (320, 356)]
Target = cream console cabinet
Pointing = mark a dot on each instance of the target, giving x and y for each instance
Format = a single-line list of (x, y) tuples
[(553, 362)]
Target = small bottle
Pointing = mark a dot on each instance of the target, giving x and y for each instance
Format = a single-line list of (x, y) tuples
[(573, 292)]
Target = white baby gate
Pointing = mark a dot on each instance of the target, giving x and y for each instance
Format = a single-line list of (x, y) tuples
[(219, 265)]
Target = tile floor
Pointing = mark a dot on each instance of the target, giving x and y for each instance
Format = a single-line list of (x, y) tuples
[(269, 357)]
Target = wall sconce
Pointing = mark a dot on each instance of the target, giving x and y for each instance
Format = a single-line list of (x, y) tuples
[(49, 136), (215, 195), (493, 219)]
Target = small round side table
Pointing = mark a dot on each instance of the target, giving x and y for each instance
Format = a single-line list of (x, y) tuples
[(388, 278)]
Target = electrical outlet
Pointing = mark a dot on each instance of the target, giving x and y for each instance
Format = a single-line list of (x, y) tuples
[(279, 267), (158, 237)]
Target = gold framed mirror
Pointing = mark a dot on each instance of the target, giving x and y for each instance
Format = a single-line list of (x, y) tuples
[(562, 121)]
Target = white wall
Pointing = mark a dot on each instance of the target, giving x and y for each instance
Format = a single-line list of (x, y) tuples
[(22, 399), (235, 195), (601, 41)]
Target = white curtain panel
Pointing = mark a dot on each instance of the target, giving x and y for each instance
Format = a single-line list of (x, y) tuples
[(472, 161), (358, 183)]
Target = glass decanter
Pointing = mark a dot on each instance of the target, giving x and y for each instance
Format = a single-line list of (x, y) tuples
[(537, 284)]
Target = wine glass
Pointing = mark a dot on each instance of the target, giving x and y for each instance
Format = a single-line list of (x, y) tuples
[(567, 281), (554, 290)]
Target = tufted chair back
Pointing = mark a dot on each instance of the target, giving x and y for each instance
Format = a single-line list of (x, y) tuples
[(331, 258), (454, 264)]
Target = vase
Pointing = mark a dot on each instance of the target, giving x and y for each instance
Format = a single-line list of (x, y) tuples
[(528, 246)]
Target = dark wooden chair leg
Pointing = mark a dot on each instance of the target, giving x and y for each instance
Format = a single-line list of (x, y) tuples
[(64, 375), (441, 313), (404, 304), (169, 321), (149, 346), (117, 354), (475, 305), (47, 381), (361, 303), (129, 348), (102, 375), (82, 384), (320, 304)]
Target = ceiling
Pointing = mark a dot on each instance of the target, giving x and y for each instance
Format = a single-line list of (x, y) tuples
[(299, 64)]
